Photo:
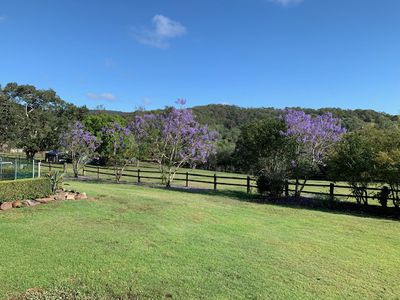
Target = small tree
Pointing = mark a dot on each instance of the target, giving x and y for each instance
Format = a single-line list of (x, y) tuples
[(80, 145), (314, 140), (120, 146), (354, 161)]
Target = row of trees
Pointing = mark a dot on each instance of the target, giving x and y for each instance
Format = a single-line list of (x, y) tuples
[(294, 146), (171, 139), (300, 146)]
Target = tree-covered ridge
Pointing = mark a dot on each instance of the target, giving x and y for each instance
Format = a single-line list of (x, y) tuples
[(230, 116)]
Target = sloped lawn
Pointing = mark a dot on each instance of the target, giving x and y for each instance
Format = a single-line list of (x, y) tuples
[(153, 243)]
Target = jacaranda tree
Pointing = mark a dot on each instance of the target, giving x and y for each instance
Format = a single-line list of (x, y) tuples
[(81, 145), (314, 137), (174, 139), (183, 141), (120, 146)]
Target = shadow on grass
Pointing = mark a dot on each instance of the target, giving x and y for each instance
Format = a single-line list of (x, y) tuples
[(316, 204)]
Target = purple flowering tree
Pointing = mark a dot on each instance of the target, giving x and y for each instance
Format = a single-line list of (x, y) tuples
[(183, 142), (314, 138), (121, 147), (81, 146), (173, 139)]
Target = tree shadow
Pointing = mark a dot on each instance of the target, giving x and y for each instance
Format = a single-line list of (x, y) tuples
[(315, 204)]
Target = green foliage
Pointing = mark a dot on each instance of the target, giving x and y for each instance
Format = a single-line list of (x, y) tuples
[(228, 119), (56, 180), (368, 156), (24, 189), (387, 162), (95, 123), (354, 161), (271, 184), (35, 118), (262, 145), (263, 149)]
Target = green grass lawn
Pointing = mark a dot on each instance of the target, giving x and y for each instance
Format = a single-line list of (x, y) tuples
[(157, 243)]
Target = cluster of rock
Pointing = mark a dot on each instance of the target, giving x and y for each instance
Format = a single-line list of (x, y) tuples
[(62, 195)]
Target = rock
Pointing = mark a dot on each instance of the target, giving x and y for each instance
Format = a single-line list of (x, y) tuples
[(60, 196), (6, 206), (80, 196), (70, 196), (30, 202), (45, 200), (17, 204)]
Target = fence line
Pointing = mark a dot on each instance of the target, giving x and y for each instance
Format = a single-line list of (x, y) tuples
[(215, 180), (12, 168)]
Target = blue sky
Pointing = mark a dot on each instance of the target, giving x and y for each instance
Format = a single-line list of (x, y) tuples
[(252, 53)]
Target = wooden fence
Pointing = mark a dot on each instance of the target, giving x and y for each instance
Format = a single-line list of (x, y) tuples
[(145, 173), (326, 189)]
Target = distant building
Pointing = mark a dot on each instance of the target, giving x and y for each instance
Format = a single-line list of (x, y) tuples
[(55, 156)]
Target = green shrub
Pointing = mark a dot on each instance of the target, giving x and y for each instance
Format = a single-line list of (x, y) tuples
[(24, 189), (271, 184)]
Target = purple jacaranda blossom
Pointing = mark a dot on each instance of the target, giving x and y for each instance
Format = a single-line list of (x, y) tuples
[(174, 139), (81, 145), (314, 135)]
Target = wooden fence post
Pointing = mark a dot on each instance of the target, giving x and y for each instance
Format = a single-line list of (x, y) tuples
[(215, 182), (138, 175), (296, 193), (65, 168), (83, 171), (187, 179), (248, 184), (49, 166), (98, 173), (286, 188), (331, 191)]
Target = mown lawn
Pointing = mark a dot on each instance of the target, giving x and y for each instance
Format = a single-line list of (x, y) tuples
[(155, 243)]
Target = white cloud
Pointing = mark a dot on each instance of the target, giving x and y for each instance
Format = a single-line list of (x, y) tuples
[(102, 96), (286, 2), (164, 29), (3, 18)]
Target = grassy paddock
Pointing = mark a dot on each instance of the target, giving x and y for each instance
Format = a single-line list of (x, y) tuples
[(158, 243), (149, 170)]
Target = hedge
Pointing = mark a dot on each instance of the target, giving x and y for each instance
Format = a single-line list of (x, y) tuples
[(24, 189)]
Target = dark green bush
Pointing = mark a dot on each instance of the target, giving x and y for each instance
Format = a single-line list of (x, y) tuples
[(270, 184), (24, 189)]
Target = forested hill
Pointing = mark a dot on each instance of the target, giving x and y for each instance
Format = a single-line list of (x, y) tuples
[(233, 117)]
